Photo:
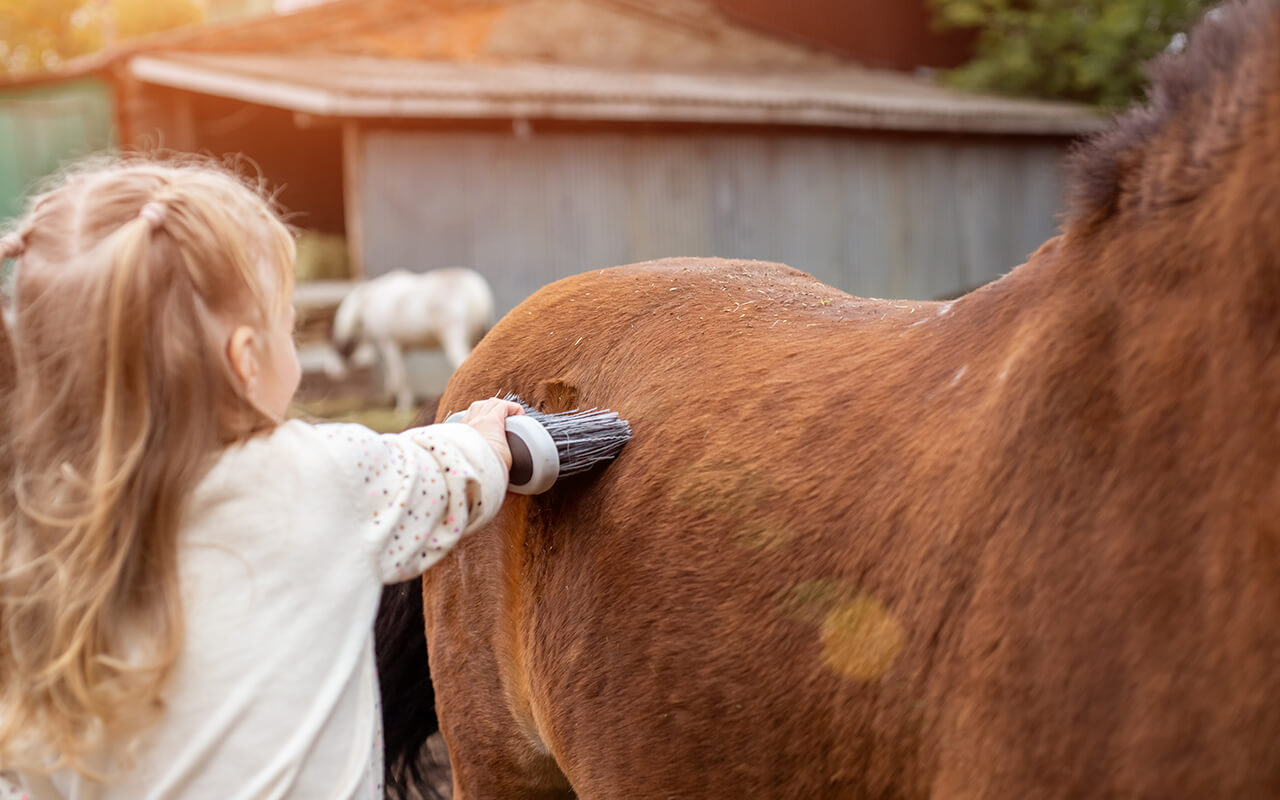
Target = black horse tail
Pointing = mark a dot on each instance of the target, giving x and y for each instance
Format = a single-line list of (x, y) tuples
[(408, 700)]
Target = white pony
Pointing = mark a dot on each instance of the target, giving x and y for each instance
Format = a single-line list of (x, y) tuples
[(448, 308)]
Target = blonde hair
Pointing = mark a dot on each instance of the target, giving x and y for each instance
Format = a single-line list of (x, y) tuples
[(130, 277)]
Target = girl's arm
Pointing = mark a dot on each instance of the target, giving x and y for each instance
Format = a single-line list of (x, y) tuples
[(415, 494)]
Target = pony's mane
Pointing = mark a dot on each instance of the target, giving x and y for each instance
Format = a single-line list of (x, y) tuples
[(1195, 109)]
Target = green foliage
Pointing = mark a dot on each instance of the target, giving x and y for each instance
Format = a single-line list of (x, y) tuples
[(1087, 50), (40, 34), (140, 17), (37, 34)]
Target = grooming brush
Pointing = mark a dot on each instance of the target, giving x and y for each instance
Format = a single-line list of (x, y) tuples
[(547, 447)]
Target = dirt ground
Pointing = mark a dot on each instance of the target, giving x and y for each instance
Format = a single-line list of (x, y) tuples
[(354, 399)]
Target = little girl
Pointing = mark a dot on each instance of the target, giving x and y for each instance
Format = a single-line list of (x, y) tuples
[(188, 583)]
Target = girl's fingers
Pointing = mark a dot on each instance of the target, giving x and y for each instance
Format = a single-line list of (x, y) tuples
[(488, 418), (492, 406)]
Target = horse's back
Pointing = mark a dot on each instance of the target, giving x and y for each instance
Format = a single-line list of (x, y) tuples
[(671, 331)]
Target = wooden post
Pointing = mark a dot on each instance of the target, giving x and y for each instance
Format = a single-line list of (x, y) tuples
[(182, 123), (127, 104), (352, 196)]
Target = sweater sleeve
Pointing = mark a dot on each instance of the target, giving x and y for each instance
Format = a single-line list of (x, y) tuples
[(415, 494)]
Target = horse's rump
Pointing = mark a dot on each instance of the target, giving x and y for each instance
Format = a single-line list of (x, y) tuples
[(710, 570), (855, 548)]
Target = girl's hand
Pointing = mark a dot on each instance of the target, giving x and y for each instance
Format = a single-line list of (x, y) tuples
[(489, 418)]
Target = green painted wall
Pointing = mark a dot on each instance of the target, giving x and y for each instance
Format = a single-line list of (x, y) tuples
[(43, 127)]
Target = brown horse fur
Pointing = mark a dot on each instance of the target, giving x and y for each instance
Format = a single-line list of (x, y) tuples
[(1022, 545)]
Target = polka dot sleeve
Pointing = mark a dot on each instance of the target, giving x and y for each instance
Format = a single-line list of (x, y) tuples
[(416, 493)]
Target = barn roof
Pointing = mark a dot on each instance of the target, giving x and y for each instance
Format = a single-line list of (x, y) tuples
[(615, 33), (355, 87), (619, 60)]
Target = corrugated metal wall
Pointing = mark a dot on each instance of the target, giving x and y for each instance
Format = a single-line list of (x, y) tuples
[(43, 127), (876, 215)]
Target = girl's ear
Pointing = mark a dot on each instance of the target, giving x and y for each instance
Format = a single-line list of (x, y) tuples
[(240, 352)]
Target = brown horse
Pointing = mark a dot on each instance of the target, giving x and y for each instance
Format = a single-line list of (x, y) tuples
[(1021, 545)]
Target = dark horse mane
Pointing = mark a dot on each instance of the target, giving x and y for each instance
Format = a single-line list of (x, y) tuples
[(1192, 116)]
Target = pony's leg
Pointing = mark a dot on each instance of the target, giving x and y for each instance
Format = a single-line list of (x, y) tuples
[(334, 365), (455, 342), (397, 376), (366, 355)]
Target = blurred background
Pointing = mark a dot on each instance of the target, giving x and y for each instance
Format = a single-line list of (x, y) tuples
[(892, 148)]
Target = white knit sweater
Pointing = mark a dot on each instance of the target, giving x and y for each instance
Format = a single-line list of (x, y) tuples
[(285, 547)]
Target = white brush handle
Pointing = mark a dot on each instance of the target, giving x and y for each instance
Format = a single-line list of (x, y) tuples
[(535, 463)]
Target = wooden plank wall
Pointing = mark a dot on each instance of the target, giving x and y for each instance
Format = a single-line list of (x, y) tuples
[(919, 216)]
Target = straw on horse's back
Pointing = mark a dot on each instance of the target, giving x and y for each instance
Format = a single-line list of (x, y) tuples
[(1020, 545)]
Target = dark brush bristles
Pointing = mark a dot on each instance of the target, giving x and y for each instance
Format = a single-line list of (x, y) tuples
[(583, 439)]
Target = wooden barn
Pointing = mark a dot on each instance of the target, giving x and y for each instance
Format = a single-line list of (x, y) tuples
[(532, 139)]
